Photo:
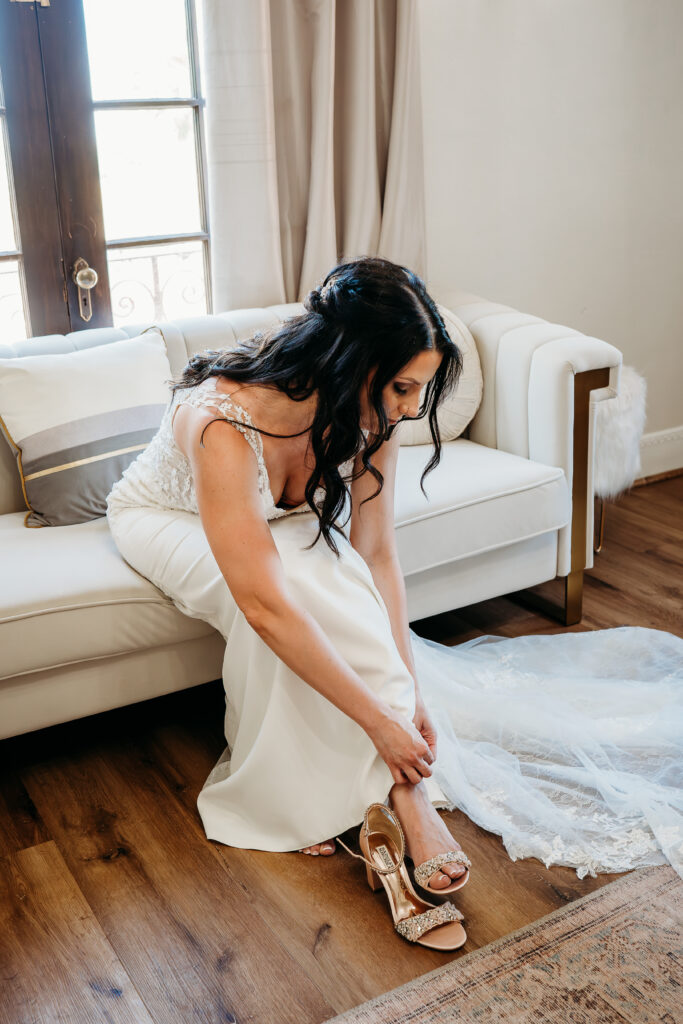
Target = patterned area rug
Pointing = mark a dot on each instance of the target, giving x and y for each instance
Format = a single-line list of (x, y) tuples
[(614, 956)]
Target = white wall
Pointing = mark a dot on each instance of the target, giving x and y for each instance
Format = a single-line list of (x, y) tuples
[(554, 174)]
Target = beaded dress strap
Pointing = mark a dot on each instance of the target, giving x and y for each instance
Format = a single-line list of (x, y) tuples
[(208, 396)]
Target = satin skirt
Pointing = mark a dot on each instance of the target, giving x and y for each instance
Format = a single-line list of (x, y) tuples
[(295, 770), (569, 746)]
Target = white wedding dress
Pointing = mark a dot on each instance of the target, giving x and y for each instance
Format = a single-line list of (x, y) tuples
[(568, 746)]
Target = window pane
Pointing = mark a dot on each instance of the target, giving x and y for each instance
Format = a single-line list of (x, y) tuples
[(157, 282), (148, 172), (137, 49), (8, 242), (12, 319)]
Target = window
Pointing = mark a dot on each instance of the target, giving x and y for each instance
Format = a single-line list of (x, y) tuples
[(104, 124), (13, 324)]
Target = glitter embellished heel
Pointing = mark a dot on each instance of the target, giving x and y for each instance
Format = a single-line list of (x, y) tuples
[(383, 849)]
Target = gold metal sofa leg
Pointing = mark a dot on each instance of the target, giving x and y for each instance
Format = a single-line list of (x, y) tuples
[(569, 610)]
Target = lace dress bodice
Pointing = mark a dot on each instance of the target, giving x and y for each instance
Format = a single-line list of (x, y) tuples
[(161, 475)]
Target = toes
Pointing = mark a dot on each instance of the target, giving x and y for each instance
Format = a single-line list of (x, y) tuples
[(439, 880), (449, 873), (325, 849)]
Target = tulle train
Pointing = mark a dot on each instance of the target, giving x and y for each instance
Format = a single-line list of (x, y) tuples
[(568, 746)]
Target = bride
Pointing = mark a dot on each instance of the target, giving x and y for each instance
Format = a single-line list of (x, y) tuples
[(279, 531)]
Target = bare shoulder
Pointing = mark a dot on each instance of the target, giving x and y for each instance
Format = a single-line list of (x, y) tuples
[(221, 458), (189, 422)]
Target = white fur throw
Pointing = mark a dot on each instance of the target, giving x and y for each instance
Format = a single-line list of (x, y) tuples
[(619, 427)]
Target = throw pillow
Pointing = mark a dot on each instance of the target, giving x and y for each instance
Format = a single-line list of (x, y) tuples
[(76, 420), (456, 411)]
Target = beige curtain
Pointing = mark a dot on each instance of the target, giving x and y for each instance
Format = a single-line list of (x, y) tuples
[(314, 139)]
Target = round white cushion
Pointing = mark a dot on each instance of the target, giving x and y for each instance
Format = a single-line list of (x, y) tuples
[(456, 411)]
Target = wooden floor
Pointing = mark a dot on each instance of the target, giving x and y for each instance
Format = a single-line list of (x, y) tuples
[(115, 907)]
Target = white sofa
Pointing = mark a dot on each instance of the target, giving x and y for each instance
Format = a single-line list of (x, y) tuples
[(510, 506)]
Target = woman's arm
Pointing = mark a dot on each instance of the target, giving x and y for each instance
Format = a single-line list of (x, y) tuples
[(225, 475), (373, 535)]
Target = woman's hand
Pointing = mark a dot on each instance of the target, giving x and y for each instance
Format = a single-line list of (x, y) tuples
[(402, 747), (425, 726)]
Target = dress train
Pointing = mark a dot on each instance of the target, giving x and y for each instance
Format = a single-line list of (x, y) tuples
[(568, 746)]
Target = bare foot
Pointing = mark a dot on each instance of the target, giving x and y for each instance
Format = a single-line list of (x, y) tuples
[(325, 849), (426, 834)]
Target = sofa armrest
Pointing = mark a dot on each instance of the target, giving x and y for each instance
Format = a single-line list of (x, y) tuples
[(537, 403)]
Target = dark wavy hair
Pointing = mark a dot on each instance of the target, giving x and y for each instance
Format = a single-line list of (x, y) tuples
[(368, 315)]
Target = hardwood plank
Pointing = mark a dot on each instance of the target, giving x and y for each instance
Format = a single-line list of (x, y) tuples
[(183, 928), (497, 615), (665, 509), (632, 533), (56, 962), (317, 905), (643, 593), (314, 908), (22, 825), (320, 908)]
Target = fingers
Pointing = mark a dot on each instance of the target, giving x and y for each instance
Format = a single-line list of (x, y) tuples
[(415, 773), (424, 758)]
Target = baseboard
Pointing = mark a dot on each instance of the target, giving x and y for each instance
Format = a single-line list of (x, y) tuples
[(661, 452)]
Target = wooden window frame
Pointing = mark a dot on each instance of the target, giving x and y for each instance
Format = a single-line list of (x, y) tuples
[(50, 117)]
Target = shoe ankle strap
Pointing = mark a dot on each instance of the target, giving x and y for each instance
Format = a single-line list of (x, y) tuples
[(392, 816), (375, 867)]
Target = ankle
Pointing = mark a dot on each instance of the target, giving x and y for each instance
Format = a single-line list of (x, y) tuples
[(406, 795)]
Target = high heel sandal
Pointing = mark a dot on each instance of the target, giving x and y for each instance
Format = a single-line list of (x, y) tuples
[(423, 872), (382, 844)]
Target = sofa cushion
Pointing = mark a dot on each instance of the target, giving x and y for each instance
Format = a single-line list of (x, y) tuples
[(76, 420), (458, 408), (67, 596), (479, 499)]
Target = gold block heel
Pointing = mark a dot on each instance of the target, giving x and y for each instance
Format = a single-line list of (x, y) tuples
[(383, 849), (374, 881)]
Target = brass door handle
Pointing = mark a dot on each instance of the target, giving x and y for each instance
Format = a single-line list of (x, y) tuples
[(85, 279)]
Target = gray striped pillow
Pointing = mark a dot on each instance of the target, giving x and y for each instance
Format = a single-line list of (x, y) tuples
[(75, 421)]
